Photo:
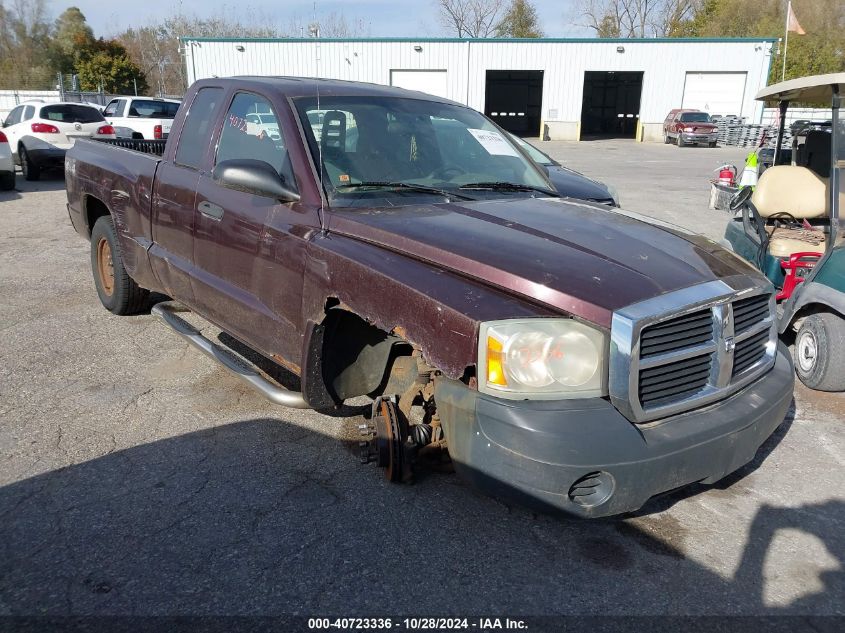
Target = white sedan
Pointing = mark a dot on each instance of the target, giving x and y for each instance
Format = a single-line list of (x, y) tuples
[(7, 165), (39, 134)]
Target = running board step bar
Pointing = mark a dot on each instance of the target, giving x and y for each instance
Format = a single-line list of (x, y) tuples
[(240, 367)]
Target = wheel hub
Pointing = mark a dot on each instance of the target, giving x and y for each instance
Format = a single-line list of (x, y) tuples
[(386, 441), (105, 266), (807, 351)]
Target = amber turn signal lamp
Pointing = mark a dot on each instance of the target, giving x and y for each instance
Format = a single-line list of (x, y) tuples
[(495, 371)]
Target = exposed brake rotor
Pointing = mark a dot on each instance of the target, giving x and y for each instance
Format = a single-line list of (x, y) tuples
[(387, 440)]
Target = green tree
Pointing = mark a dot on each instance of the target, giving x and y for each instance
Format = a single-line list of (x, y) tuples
[(72, 40), (110, 68), (608, 27), (520, 20), (24, 36), (821, 50)]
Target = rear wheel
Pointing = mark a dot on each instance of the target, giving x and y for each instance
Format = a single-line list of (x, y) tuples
[(819, 352), (118, 292), (7, 181), (30, 170)]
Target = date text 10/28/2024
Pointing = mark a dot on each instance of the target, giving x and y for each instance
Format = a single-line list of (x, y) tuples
[(417, 624)]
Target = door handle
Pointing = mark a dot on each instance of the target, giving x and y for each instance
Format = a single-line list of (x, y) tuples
[(210, 210)]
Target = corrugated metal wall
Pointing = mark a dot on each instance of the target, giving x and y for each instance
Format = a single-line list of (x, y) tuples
[(663, 62)]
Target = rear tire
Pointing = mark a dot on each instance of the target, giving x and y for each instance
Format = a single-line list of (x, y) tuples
[(819, 352), (118, 292), (30, 170), (7, 181)]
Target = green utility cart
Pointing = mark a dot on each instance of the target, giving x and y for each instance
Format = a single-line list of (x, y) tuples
[(790, 227)]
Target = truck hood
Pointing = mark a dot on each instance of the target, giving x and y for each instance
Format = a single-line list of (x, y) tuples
[(572, 184), (582, 259)]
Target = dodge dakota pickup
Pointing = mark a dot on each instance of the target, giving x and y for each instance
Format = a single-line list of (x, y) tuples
[(565, 354)]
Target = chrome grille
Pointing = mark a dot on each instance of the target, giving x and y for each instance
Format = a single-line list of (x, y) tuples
[(750, 351), (685, 331), (690, 347), (749, 312), (675, 381)]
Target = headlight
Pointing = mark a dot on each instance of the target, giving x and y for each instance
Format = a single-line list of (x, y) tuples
[(543, 359), (689, 129)]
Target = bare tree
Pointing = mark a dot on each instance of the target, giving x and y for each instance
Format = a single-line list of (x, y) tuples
[(330, 25), (336, 25), (637, 18), (470, 18), (669, 22), (156, 48)]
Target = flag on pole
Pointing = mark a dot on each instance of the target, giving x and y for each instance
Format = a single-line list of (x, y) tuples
[(792, 23)]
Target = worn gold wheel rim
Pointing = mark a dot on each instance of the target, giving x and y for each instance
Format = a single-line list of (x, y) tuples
[(105, 266)]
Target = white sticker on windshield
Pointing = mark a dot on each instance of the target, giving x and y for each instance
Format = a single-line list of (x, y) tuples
[(493, 142)]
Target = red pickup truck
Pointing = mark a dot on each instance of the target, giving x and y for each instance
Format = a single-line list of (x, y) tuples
[(381, 242), (689, 127)]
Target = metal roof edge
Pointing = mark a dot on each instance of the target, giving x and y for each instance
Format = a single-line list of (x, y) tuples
[(544, 40)]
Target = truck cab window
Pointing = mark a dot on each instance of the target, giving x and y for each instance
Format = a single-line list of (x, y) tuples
[(115, 108), (251, 130), (196, 129)]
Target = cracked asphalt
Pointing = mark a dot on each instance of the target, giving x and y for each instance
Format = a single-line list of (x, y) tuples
[(139, 478)]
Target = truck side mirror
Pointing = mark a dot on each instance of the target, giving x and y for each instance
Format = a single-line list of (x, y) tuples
[(252, 176)]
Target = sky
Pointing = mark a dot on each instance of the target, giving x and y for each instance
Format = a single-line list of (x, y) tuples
[(381, 18)]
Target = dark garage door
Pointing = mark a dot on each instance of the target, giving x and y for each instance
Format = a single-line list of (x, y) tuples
[(611, 105), (513, 99)]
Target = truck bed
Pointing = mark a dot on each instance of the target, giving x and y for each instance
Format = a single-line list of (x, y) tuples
[(116, 175), (154, 147)]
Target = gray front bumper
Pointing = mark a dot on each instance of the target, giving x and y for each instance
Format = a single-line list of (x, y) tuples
[(691, 137), (537, 452)]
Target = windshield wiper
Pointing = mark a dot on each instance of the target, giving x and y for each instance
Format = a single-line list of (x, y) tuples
[(407, 186), (509, 186)]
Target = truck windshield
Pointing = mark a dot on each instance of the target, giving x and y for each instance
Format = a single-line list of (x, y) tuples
[(384, 144), (536, 155), (695, 117)]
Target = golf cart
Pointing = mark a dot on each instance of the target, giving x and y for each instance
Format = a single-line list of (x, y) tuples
[(790, 227)]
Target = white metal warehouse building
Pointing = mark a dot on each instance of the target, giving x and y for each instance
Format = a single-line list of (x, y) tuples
[(562, 89)]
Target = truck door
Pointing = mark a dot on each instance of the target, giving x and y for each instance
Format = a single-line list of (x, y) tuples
[(173, 199), (248, 276)]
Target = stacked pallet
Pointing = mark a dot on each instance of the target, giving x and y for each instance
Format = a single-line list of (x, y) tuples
[(733, 131), (773, 138)]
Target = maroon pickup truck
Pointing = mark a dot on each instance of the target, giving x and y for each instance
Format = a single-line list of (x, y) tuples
[(386, 243), (689, 127)]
